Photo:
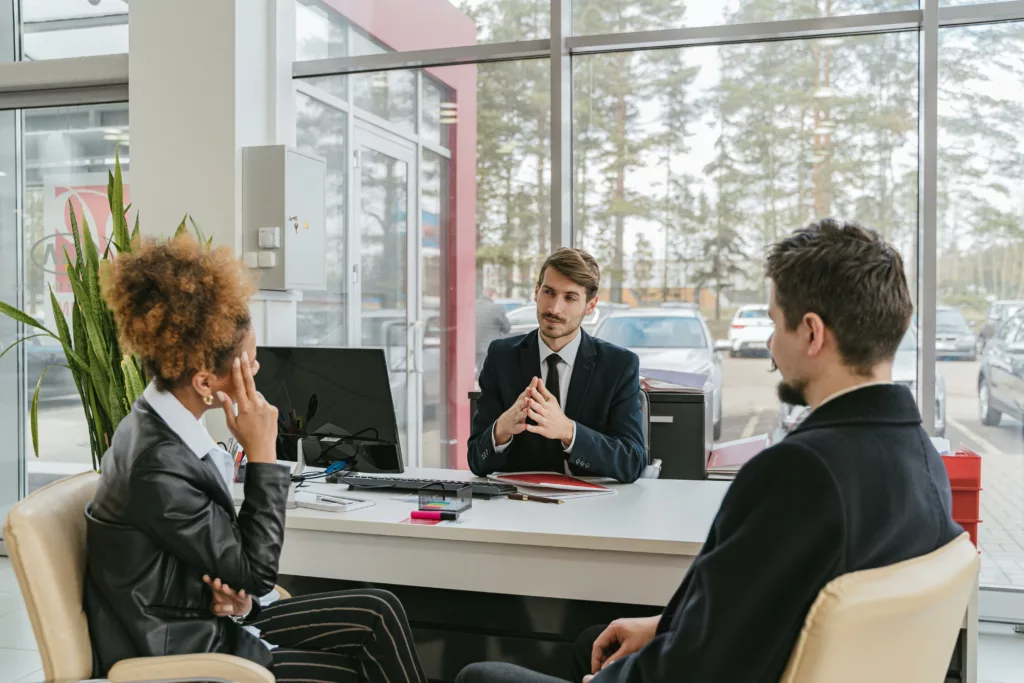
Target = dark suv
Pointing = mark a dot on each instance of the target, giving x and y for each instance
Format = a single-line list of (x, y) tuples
[(1001, 379)]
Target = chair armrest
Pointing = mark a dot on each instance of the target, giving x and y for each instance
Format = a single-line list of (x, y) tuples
[(284, 595), (200, 667)]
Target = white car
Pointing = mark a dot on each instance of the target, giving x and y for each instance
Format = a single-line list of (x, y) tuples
[(749, 331), (669, 339)]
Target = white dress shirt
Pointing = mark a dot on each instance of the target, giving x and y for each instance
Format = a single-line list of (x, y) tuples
[(564, 367), (183, 423)]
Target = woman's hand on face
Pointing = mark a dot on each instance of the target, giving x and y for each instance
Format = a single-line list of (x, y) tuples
[(226, 601), (255, 425)]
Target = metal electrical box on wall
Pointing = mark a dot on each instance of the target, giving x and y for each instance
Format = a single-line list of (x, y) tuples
[(283, 213)]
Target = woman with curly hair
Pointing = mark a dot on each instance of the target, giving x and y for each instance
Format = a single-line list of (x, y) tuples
[(171, 567)]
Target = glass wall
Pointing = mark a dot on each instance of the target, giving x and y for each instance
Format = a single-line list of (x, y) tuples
[(424, 231), (979, 336), (58, 29), (385, 25), (66, 155), (602, 16), (689, 163)]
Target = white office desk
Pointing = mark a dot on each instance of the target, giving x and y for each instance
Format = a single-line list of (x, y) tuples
[(632, 548), (649, 531)]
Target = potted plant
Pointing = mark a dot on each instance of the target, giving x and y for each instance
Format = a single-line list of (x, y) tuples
[(108, 379)]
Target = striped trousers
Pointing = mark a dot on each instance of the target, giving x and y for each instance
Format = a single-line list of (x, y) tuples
[(341, 637)]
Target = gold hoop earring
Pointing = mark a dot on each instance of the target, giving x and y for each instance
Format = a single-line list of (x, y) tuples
[(208, 399)]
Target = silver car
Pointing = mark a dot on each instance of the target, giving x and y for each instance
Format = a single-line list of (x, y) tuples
[(904, 371), (669, 339), (954, 339)]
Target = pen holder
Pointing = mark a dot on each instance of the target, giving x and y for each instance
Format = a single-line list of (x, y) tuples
[(434, 498)]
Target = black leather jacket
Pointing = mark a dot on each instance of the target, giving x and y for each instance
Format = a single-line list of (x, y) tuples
[(161, 519)]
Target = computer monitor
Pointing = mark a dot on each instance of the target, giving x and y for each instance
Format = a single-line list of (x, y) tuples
[(334, 404)]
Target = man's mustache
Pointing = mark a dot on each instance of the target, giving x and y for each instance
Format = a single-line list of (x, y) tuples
[(553, 318)]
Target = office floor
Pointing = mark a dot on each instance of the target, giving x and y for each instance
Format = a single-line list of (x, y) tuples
[(1001, 658)]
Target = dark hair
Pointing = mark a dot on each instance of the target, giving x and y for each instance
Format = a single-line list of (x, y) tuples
[(853, 280), (578, 266), (181, 307)]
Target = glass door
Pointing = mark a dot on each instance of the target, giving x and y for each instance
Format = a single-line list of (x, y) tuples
[(385, 281)]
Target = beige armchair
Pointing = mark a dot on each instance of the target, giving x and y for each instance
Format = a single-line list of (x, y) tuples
[(45, 538), (895, 624)]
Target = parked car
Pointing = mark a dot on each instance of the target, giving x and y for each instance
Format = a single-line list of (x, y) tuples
[(59, 383), (749, 331), (954, 339), (998, 313), (511, 304), (904, 371), (1001, 377), (669, 339)]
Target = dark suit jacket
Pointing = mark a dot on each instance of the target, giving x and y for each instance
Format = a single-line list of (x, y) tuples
[(603, 400), (856, 486)]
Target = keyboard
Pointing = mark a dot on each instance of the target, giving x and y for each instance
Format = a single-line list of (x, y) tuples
[(481, 489)]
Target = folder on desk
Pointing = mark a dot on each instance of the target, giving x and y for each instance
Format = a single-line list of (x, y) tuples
[(548, 480), (727, 458)]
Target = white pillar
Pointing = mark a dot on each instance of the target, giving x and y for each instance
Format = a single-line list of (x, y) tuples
[(207, 78)]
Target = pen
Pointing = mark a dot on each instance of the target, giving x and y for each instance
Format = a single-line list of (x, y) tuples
[(539, 499), (340, 500)]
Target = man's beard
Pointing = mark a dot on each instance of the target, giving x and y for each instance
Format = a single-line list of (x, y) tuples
[(791, 392), (568, 329)]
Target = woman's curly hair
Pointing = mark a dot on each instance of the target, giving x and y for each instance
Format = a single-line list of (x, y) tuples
[(182, 308)]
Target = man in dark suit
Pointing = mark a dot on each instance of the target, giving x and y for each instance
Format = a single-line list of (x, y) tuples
[(557, 399), (858, 485)]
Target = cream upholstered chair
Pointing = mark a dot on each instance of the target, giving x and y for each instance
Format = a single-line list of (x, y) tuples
[(888, 625), (45, 538)]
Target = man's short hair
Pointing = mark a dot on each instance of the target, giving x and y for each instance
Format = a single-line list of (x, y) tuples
[(578, 266), (853, 280)]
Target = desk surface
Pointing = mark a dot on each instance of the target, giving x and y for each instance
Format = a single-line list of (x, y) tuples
[(667, 517)]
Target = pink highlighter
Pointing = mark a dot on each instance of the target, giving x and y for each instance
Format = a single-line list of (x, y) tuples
[(435, 515)]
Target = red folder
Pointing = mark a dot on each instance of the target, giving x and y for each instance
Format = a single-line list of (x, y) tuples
[(548, 480)]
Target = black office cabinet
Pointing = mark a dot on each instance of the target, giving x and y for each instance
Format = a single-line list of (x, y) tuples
[(681, 434)]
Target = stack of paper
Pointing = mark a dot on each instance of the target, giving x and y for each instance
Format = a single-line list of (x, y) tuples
[(727, 458), (654, 380)]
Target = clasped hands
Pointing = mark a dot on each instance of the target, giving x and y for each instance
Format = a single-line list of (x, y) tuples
[(539, 405)]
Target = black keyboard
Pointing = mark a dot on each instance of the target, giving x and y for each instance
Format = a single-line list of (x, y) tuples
[(481, 489)]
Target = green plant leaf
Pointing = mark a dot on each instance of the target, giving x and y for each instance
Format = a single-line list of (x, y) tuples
[(12, 312), (76, 234), (115, 195), (133, 384), (34, 414), (78, 365), (19, 341), (136, 237), (182, 229)]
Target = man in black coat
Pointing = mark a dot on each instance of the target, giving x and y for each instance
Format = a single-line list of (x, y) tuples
[(858, 485)]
